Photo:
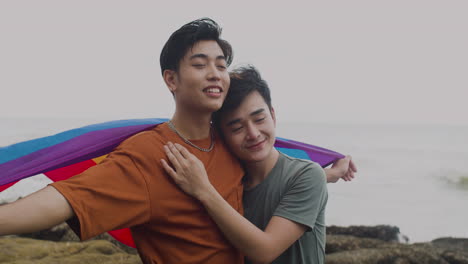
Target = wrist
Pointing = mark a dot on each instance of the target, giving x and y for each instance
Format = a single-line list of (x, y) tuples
[(205, 195), (332, 175)]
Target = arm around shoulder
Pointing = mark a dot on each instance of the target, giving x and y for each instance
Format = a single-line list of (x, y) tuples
[(40, 210), (260, 246)]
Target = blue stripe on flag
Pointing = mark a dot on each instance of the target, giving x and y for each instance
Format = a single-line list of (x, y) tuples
[(296, 153), (18, 150)]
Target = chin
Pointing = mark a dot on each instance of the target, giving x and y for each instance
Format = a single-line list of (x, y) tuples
[(255, 157), (214, 106)]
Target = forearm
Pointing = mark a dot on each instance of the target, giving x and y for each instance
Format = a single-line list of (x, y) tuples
[(256, 244), (38, 211)]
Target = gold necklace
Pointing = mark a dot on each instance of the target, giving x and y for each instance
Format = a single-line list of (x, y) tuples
[(172, 127)]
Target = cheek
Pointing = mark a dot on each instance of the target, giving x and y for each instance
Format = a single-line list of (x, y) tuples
[(234, 142), (191, 77), (269, 128), (227, 80)]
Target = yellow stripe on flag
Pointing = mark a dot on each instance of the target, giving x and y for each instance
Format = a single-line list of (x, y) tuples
[(99, 159)]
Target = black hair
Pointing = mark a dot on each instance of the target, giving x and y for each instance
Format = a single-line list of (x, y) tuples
[(244, 81), (185, 37)]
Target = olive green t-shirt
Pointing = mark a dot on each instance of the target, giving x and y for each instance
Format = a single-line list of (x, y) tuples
[(295, 189)]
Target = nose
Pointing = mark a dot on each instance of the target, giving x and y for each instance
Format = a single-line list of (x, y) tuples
[(252, 132), (213, 73)]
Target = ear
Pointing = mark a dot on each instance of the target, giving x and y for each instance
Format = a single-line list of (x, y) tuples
[(273, 115), (170, 78)]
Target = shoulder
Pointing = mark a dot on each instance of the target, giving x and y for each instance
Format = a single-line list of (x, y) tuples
[(147, 139), (301, 165), (143, 147), (303, 170)]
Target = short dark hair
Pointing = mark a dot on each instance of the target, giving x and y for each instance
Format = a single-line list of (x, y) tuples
[(244, 81), (185, 37)]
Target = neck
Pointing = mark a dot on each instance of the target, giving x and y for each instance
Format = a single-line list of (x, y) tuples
[(258, 171), (192, 126)]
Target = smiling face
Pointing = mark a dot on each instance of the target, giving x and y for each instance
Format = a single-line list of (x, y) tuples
[(202, 81), (249, 130)]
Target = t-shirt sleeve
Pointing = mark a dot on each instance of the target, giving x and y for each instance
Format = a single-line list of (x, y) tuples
[(111, 195), (306, 196)]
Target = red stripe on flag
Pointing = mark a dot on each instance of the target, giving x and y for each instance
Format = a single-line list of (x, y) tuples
[(68, 171), (6, 186), (124, 236)]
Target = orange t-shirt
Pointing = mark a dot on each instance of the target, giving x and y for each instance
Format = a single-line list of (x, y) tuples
[(130, 189)]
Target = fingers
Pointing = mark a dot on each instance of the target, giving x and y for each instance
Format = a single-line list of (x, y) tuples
[(352, 165), (168, 169), (350, 168), (180, 157), (184, 152), (180, 154), (349, 175), (172, 157), (176, 151)]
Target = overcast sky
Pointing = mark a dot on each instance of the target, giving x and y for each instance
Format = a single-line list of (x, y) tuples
[(329, 61)]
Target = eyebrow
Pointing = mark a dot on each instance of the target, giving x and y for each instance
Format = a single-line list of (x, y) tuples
[(256, 112), (204, 56)]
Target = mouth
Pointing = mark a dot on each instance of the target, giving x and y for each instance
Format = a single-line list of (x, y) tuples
[(256, 146), (214, 91)]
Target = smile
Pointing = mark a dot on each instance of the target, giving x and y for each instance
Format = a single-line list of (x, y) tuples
[(213, 90), (256, 145)]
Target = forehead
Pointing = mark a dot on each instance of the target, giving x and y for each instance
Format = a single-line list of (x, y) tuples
[(251, 103), (210, 48)]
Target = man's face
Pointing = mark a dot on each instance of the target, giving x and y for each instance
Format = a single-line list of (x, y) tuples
[(249, 130), (202, 82)]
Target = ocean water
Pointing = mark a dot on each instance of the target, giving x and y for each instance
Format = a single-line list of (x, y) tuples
[(411, 176), (414, 177)]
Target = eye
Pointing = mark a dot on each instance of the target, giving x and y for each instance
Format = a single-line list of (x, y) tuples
[(222, 67), (198, 65), (236, 129), (260, 120)]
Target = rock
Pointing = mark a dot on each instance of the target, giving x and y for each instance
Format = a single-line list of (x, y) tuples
[(338, 243), (349, 249), (345, 245), (451, 243), (388, 253), (454, 250), (454, 257), (27, 250), (64, 233), (55, 233), (382, 232)]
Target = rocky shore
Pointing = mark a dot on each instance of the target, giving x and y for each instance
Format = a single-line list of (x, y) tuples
[(345, 245), (385, 245)]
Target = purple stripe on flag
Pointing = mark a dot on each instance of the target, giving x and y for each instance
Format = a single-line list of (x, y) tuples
[(83, 147), (320, 155)]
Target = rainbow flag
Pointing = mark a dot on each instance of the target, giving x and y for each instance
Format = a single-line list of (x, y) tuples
[(71, 152)]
